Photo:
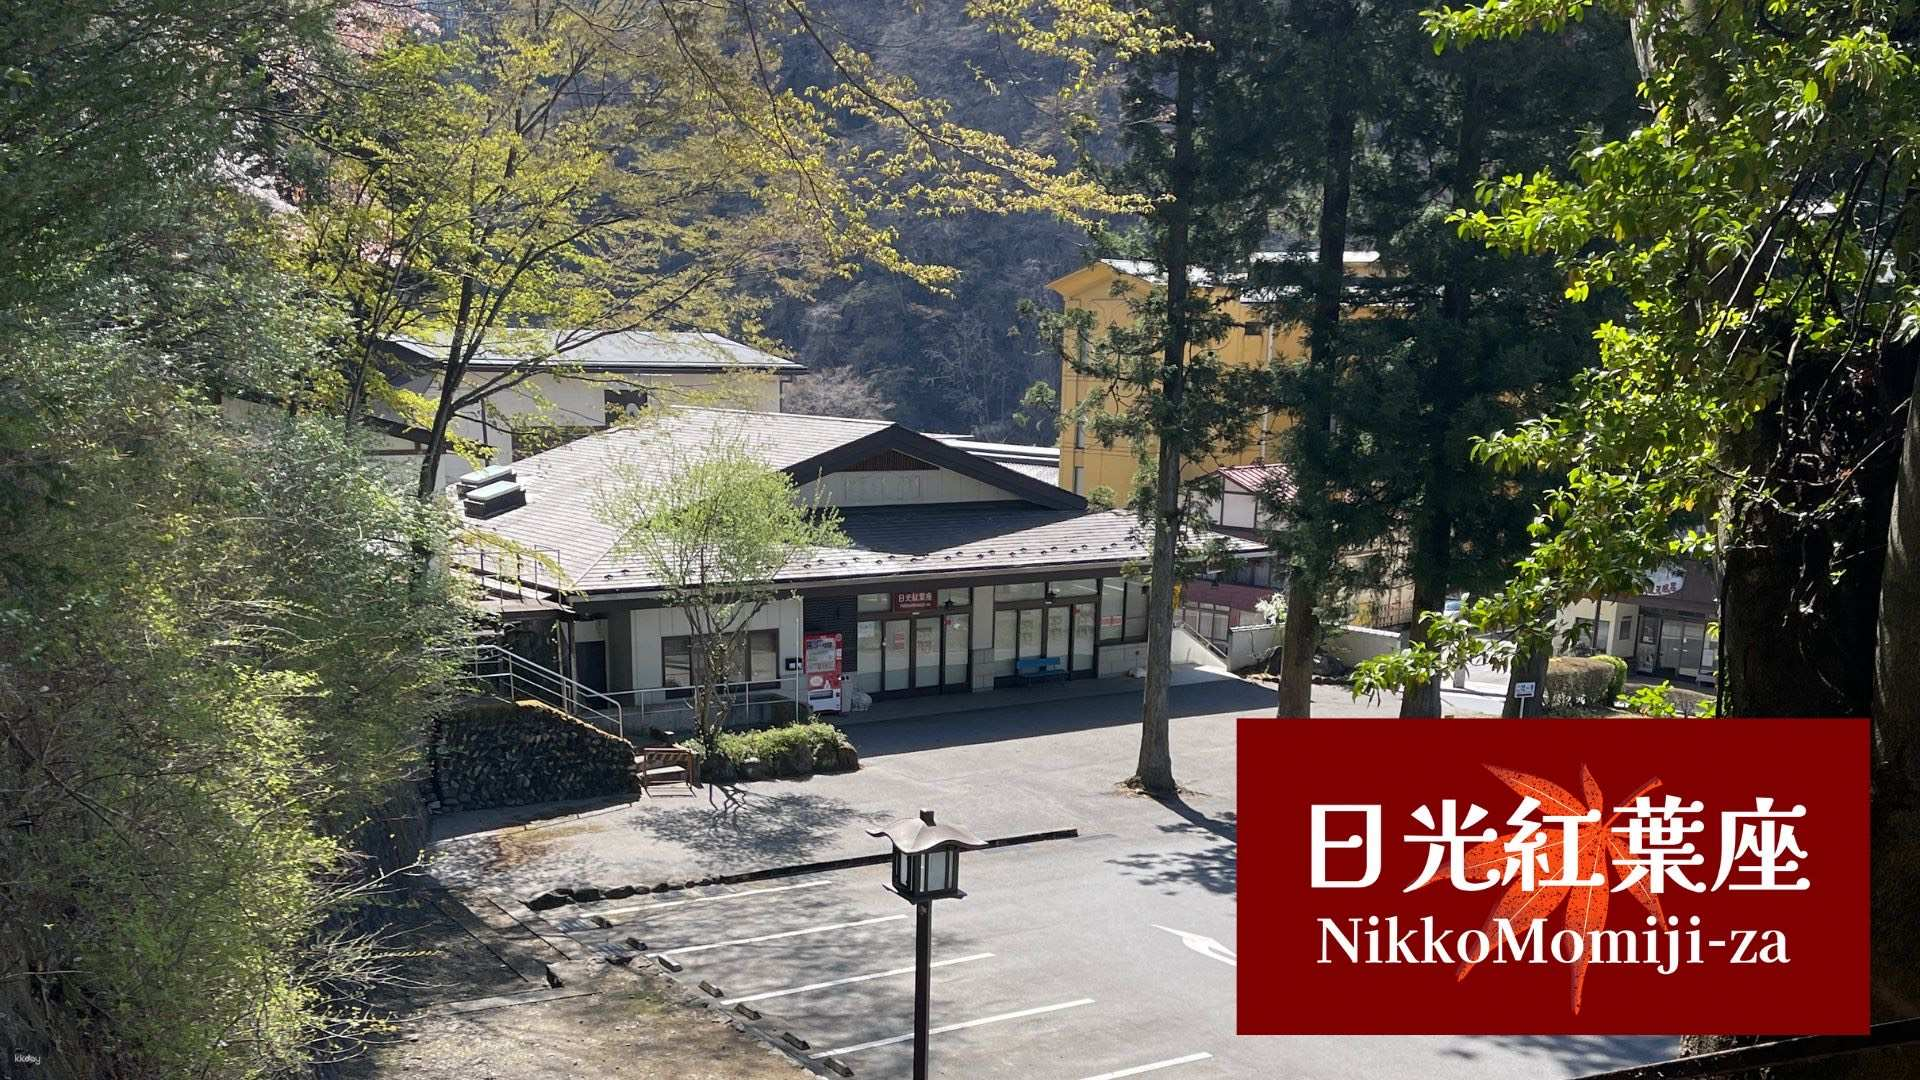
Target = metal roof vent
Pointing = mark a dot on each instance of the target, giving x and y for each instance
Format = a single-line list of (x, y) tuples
[(480, 478), (495, 498)]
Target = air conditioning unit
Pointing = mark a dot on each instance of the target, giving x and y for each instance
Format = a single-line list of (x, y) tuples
[(495, 498)]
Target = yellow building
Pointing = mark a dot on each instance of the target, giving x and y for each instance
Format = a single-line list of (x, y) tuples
[(1106, 289)]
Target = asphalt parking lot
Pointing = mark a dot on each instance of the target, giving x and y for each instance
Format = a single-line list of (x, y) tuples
[(1083, 959), (1105, 956)]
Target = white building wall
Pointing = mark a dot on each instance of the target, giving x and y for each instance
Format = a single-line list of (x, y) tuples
[(892, 488), (651, 624)]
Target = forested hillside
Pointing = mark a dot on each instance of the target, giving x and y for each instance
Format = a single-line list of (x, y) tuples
[(957, 361)]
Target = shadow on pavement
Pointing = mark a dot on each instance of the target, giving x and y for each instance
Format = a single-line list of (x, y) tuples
[(735, 827), (994, 723), (1213, 867)]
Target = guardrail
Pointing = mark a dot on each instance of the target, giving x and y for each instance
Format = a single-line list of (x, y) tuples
[(514, 676)]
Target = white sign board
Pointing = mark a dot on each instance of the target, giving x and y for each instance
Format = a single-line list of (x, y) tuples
[(1666, 581), (1523, 689)]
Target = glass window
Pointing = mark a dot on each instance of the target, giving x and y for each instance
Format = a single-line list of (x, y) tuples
[(1079, 480), (1080, 436), (1626, 628), (875, 601), (955, 597), (866, 657), (1083, 637), (957, 644), (763, 655), (1076, 587), (1029, 590), (897, 653), (1135, 627), (1113, 593), (1003, 622), (1030, 632), (676, 661)]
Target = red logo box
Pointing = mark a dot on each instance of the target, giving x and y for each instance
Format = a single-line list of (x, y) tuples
[(1755, 830)]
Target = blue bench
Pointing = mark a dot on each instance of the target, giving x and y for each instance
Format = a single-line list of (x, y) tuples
[(1035, 669)]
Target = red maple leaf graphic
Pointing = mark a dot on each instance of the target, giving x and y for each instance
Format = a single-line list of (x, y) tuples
[(1596, 845)]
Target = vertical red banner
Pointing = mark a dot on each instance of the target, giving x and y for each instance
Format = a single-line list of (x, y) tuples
[(1619, 876)]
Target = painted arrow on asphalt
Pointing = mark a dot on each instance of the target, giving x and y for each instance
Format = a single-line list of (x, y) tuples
[(1203, 945)]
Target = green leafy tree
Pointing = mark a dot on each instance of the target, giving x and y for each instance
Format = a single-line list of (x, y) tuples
[(1752, 407), (715, 530), (614, 165)]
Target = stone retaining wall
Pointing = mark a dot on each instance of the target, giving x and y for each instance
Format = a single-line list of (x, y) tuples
[(495, 753)]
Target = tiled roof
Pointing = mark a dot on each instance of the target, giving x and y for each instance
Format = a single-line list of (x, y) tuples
[(564, 485), (628, 350), (1261, 477)]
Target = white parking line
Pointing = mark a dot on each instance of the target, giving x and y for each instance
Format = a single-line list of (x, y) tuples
[(775, 937), (851, 979), (943, 1029), (610, 912), (1152, 1067)]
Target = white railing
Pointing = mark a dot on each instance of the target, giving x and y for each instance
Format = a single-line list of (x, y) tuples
[(514, 677), (671, 707)]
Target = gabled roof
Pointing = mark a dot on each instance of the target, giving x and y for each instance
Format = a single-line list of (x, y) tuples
[(1259, 477), (563, 486), (626, 351)]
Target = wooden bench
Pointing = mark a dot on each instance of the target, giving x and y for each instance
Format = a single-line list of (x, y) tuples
[(663, 765), (1039, 669)]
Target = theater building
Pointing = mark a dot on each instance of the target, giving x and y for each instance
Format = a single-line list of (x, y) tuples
[(962, 574)]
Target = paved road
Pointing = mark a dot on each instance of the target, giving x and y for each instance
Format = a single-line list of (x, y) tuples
[(1069, 959)]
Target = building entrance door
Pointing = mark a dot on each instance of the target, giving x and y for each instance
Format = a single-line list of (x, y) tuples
[(1083, 631), (926, 653)]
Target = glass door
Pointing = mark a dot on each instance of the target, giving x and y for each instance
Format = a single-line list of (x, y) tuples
[(926, 653), (958, 640), (1030, 644), (1057, 623), (1083, 620), (1646, 651), (896, 648)]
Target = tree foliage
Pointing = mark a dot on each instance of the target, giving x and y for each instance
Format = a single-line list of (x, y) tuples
[(214, 642), (715, 529)]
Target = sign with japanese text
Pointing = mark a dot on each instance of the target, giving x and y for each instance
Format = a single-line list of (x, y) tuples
[(912, 601), (1619, 876)]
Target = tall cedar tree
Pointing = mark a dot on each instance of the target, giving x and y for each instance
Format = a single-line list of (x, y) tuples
[(1193, 119), (1462, 341)]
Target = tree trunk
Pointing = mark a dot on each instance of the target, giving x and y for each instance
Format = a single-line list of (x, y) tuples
[(1896, 779), (1431, 558), (456, 369), (1529, 665), (1154, 771), (1296, 649), (1330, 278)]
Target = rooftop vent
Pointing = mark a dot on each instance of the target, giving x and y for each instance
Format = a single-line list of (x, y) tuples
[(495, 498), (480, 478)]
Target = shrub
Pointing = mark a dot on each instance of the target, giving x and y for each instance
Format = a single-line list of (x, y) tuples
[(787, 750), (1578, 681), (1619, 684)]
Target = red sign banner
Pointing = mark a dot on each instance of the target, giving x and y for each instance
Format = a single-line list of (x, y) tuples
[(1617, 876)]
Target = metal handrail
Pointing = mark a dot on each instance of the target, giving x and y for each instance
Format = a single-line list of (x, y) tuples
[(569, 694), (1780, 1052)]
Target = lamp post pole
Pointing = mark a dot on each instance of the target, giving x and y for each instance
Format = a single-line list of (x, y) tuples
[(922, 984), (926, 867)]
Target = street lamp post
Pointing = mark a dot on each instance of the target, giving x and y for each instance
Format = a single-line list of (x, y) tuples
[(926, 867)]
